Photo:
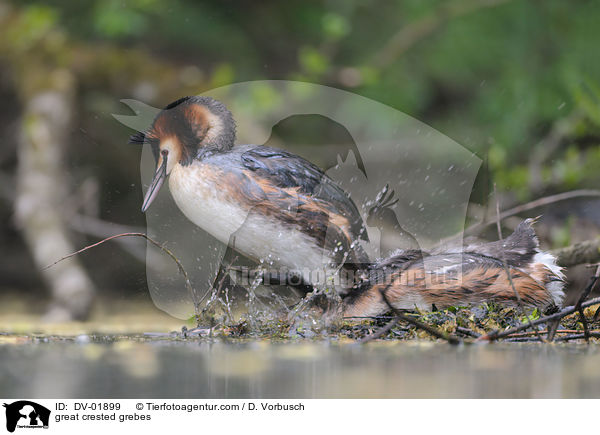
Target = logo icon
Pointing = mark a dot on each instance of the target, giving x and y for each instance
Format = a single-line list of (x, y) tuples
[(26, 414)]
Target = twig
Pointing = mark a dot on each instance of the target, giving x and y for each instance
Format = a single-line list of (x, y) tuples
[(99, 228), (553, 326), (188, 284), (381, 331), (369, 317), (586, 252), (467, 331), (558, 331), (586, 329), (495, 335), (547, 200), (584, 294), (593, 334), (420, 325), (521, 340)]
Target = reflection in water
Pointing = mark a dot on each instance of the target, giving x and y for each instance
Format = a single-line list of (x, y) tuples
[(138, 367)]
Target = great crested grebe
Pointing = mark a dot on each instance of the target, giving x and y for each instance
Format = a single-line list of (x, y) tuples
[(280, 207), (469, 276), (283, 208)]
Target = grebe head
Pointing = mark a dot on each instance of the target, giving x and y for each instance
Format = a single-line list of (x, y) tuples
[(181, 132)]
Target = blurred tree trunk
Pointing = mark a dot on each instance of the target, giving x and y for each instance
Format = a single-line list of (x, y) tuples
[(46, 68), (42, 189), (46, 90)]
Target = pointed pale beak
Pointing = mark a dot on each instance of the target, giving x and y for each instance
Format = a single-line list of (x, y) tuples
[(157, 182)]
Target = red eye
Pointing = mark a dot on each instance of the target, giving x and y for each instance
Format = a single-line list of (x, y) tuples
[(164, 153)]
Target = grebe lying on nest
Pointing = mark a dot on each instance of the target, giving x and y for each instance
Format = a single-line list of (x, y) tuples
[(476, 274)]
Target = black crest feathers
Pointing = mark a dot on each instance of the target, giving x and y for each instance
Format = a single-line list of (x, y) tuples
[(176, 103), (137, 138)]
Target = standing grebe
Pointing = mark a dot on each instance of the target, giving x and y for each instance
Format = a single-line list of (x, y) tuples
[(280, 207)]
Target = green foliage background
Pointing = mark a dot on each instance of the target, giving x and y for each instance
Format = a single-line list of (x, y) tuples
[(516, 81), (495, 78)]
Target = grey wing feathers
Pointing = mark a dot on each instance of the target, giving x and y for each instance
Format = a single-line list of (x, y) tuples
[(287, 170)]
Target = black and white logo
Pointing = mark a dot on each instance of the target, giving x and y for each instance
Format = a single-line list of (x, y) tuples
[(25, 414)]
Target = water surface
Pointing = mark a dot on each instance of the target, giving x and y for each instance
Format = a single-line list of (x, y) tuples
[(137, 366)]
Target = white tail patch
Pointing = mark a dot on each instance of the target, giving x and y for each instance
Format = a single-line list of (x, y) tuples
[(554, 286)]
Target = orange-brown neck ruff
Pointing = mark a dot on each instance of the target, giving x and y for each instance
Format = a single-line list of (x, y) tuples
[(194, 126)]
